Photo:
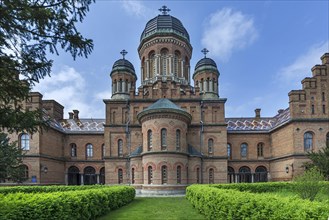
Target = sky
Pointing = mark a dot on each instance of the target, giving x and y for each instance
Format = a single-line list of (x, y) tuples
[(263, 50)]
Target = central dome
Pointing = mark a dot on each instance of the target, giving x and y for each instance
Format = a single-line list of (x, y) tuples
[(164, 24)]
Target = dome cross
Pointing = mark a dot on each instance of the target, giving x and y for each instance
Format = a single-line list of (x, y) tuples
[(123, 53), (164, 10), (205, 51)]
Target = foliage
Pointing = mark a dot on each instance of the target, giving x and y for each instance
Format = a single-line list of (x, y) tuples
[(162, 208), (10, 160), (28, 30), (78, 204), (257, 187), (218, 203), (308, 184), (320, 159)]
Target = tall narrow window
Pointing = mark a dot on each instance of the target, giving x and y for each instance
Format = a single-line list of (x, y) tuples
[(229, 151), (152, 65), (211, 176), (210, 146), (179, 174), (327, 139), (120, 148), (308, 141), (126, 86), (120, 85), (103, 151), (73, 150), (163, 139), (25, 141), (260, 149), (323, 109), (89, 150), (312, 109), (197, 175), (149, 140), (115, 86), (120, 176), (133, 175), (149, 175), (164, 175), (244, 150), (164, 62), (323, 97), (177, 140)]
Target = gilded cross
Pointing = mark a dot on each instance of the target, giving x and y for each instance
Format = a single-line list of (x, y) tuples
[(164, 10), (205, 51), (123, 53)]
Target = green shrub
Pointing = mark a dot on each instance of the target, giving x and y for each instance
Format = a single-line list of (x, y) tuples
[(216, 203), (78, 204)]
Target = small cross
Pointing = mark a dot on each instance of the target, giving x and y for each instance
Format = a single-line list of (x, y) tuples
[(164, 10), (205, 51), (123, 53)]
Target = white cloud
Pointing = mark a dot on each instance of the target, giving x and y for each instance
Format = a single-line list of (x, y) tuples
[(227, 31), (135, 8), (68, 87), (296, 71), (103, 95)]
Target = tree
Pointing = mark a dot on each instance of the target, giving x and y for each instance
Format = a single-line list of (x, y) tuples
[(10, 160), (320, 160), (28, 30)]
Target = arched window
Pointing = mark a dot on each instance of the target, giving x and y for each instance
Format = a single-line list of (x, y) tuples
[(210, 146), (73, 176), (25, 141), (164, 175), (89, 150), (211, 176), (308, 141), (176, 63), (177, 140), (89, 176), (149, 175), (120, 148), (164, 53), (198, 175), (245, 174), (229, 151), (244, 150), (120, 176), (179, 174), (149, 140), (163, 139), (24, 172), (103, 151), (327, 139), (133, 175), (260, 149), (102, 175), (73, 150), (152, 59), (261, 174)]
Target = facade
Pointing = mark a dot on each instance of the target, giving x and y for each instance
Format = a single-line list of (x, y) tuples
[(167, 133)]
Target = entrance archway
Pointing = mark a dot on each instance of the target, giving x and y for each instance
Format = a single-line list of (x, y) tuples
[(73, 176)]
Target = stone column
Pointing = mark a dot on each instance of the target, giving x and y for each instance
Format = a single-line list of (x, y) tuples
[(147, 68), (81, 179), (205, 85), (156, 64), (123, 86), (252, 177), (170, 63), (236, 178), (211, 85), (66, 179), (97, 178), (182, 68)]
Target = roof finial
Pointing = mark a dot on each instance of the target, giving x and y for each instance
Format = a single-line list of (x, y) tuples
[(164, 10), (205, 51), (123, 53)]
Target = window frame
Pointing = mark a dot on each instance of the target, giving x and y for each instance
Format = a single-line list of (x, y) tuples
[(89, 150), (308, 140), (24, 141)]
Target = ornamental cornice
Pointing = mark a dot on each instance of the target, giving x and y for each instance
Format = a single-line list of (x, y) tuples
[(158, 40), (166, 115)]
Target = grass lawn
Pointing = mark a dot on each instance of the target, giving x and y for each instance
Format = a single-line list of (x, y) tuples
[(156, 208)]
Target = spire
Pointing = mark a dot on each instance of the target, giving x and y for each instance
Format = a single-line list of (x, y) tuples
[(164, 10), (123, 53), (205, 51)]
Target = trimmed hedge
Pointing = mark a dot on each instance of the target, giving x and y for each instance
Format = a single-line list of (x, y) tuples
[(78, 204), (216, 203), (45, 189)]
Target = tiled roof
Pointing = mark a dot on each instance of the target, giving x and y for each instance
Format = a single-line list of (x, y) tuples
[(263, 124), (233, 124)]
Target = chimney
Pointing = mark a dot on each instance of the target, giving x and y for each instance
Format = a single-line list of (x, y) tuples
[(70, 115), (76, 114), (257, 113), (280, 111)]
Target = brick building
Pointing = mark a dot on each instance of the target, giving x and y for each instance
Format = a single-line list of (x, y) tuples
[(167, 133)]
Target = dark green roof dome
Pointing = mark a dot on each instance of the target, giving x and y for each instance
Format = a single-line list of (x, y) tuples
[(123, 65), (164, 24), (205, 62)]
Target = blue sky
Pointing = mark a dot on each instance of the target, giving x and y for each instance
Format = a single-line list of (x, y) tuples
[(263, 49)]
